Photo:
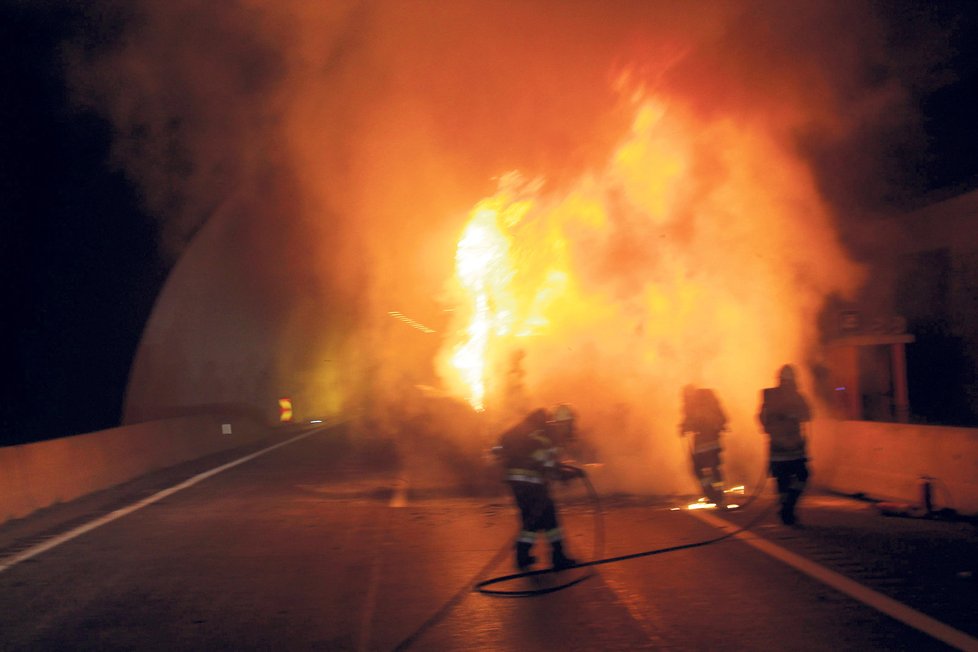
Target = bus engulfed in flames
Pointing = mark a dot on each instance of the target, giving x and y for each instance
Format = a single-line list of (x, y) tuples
[(700, 251)]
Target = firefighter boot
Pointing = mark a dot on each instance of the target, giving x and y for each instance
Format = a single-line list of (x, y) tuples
[(788, 501), (716, 494), (716, 485), (559, 557), (792, 501), (523, 557)]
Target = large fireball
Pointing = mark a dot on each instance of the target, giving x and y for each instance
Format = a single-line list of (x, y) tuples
[(699, 253), (673, 224)]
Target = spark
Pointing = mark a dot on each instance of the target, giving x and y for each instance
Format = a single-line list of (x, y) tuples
[(410, 322)]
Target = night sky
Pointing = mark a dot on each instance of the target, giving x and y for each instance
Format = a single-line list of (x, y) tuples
[(81, 264), (949, 164)]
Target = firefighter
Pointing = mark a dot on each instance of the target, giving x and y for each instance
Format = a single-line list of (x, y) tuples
[(783, 411), (530, 452), (705, 419)]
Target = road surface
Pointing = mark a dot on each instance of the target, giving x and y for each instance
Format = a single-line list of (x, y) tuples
[(316, 546)]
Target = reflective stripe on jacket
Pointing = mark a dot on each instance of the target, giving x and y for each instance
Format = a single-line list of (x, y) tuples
[(538, 464)]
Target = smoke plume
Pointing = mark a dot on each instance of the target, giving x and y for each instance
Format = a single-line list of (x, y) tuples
[(683, 196)]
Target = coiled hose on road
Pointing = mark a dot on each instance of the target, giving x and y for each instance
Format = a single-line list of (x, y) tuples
[(481, 587), (503, 552)]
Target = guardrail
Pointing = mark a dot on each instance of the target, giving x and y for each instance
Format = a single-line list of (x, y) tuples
[(887, 461), (38, 475)]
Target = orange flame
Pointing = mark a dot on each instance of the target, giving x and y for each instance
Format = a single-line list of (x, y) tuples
[(700, 252), (489, 266)]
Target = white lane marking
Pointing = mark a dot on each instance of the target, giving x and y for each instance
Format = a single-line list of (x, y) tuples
[(889, 606), (53, 542), (379, 543), (636, 605)]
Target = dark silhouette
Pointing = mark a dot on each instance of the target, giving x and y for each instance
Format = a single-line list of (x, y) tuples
[(783, 411), (705, 419), (530, 452)]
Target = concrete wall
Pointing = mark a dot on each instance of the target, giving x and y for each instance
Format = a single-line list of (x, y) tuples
[(880, 460), (886, 461), (38, 475), (212, 336), (245, 317)]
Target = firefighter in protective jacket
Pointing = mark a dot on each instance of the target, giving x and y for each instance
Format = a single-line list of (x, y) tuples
[(530, 452), (783, 411), (704, 417)]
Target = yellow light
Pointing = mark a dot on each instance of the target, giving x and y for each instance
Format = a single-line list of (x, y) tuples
[(285, 412), (484, 269), (702, 503)]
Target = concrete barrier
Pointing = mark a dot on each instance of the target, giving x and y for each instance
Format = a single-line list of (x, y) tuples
[(887, 460), (38, 475), (879, 460)]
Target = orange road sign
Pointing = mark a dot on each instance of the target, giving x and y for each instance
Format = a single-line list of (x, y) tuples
[(285, 409)]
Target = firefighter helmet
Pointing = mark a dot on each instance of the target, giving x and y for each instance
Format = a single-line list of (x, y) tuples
[(563, 412), (537, 418), (563, 423), (786, 374)]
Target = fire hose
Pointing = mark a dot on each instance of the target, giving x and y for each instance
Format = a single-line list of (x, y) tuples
[(482, 587)]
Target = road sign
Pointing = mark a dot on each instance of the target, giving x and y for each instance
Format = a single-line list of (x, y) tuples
[(285, 409)]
